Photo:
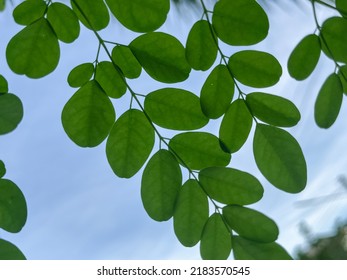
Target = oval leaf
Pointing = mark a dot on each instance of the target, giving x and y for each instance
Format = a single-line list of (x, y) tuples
[(217, 92), (2, 169), (236, 126), (304, 58), (280, 158), (215, 240), (240, 22), (343, 77), (11, 112), (175, 109), (341, 6), (273, 109), (251, 224), (129, 144), (29, 11), (198, 150), (164, 62), (229, 186), (329, 101), (127, 62), (255, 68), (3, 85), (140, 15), (81, 74), (88, 116), (191, 213), (160, 184), (8, 251)]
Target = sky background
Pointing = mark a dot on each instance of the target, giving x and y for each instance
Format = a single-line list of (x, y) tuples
[(77, 207)]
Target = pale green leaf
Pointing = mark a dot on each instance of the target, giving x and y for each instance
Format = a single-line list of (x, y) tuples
[(11, 112), (127, 62), (81, 74), (8, 251), (29, 11)]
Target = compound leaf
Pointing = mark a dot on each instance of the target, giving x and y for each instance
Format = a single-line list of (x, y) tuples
[(11, 112), (127, 62), (8, 251), (81, 74), (29, 11)]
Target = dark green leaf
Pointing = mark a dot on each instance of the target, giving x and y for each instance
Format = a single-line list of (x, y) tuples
[(13, 207), (92, 13), (129, 144), (280, 158), (236, 126), (2, 169), (215, 240), (217, 92), (329, 101), (343, 77), (341, 6), (231, 186), (160, 184), (3, 85), (251, 224), (127, 62), (110, 79), (80, 75), (140, 15), (272, 109), (240, 22), (249, 250), (64, 22), (201, 48), (304, 58), (175, 109), (34, 51), (191, 213), (88, 116), (164, 62), (11, 112), (29, 11), (8, 251), (199, 150), (255, 68)]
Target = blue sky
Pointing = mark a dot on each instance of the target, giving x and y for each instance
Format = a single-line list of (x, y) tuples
[(78, 209)]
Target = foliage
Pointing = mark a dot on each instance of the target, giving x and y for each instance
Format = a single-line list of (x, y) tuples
[(208, 204)]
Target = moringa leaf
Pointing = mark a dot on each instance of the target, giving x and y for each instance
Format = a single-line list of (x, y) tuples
[(127, 62), (81, 74), (2, 169), (29, 11), (11, 112), (3, 85), (8, 251)]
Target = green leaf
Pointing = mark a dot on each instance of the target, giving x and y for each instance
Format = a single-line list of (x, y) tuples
[(333, 42), (343, 77), (110, 79), (280, 158), (2, 169), (13, 207), (329, 101), (164, 62), (255, 68), (3, 85), (231, 186), (240, 22), (304, 58), (29, 11), (127, 62), (34, 51), (341, 6), (201, 46), (236, 126), (11, 112), (249, 250), (92, 13), (64, 22), (140, 15), (160, 184), (191, 213), (8, 251), (251, 224), (273, 109), (130, 143), (2, 5), (217, 92), (175, 109), (88, 116), (80, 75), (215, 240), (199, 150)]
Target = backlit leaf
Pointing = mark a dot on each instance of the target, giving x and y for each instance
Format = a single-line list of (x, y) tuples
[(341, 6), (343, 77), (175, 109), (88, 116), (231, 186), (8, 251), (11, 112), (129, 144), (191, 213), (29, 11), (251, 224), (81, 74), (164, 62), (329, 101), (199, 150), (304, 58), (280, 158), (255, 68), (3, 85), (215, 240), (2, 5), (217, 92), (127, 62), (2, 169), (160, 184)]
